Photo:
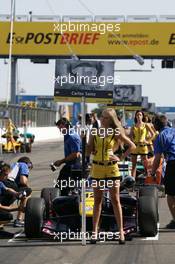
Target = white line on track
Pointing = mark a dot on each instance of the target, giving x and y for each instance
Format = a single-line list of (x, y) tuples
[(21, 235), (155, 237)]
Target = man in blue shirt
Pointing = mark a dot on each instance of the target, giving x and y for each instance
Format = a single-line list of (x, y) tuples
[(165, 144), (5, 215), (72, 153), (18, 180), (7, 196), (20, 171)]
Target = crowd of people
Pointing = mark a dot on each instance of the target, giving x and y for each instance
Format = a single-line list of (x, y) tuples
[(146, 139)]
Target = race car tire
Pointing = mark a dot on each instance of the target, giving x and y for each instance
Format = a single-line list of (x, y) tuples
[(152, 192), (149, 191), (34, 215), (22, 148), (147, 216), (28, 147), (49, 194)]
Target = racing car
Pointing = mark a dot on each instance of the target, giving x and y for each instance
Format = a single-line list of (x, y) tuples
[(7, 147), (53, 214), (22, 142)]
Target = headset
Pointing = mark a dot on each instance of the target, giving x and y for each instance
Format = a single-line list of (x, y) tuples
[(30, 165)]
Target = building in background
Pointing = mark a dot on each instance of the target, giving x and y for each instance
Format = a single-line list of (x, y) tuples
[(36, 101)]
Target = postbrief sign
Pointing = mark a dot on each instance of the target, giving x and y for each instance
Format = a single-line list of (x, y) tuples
[(49, 39)]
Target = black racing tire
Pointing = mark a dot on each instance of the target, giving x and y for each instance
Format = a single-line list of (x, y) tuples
[(34, 215), (149, 191), (22, 148), (147, 216), (152, 192), (49, 194), (28, 147)]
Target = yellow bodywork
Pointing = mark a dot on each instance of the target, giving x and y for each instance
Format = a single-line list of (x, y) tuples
[(8, 146), (89, 204)]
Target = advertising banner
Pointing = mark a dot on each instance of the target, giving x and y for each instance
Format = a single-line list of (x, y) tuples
[(95, 39), (27, 100), (90, 79)]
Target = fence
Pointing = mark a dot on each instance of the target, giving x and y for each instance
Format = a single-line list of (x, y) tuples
[(33, 117)]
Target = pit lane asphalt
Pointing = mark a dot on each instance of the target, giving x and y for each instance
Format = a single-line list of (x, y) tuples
[(15, 249)]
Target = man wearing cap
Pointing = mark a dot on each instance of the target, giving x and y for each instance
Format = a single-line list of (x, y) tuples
[(72, 153)]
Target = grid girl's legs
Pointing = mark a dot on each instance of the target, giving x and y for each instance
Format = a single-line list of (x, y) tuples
[(115, 199), (134, 164), (143, 159), (98, 195)]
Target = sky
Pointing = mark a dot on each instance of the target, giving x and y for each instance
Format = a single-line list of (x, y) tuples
[(158, 85)]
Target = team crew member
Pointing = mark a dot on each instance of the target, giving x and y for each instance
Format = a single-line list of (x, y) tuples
[(139, 134), (95, 121), (78, 124), (10, 195), (18, 180), (72, 153), (104, 166), (5, 215), (7, 196), (165, 144), (20, 171)]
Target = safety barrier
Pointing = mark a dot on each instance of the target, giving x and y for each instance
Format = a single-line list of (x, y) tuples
[(33, 117)]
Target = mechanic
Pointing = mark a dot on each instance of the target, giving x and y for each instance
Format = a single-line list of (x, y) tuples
[(104, 166), (18, 180), (89, 125), (138, 135), (7, 196), (29, 136), (95, 120), (78, 123), (87, 128), (72, 153), (165, 144)]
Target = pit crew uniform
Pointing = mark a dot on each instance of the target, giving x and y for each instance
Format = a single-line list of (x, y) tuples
[(165, 144), (72, 144), (13, 181), (4, 215)]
